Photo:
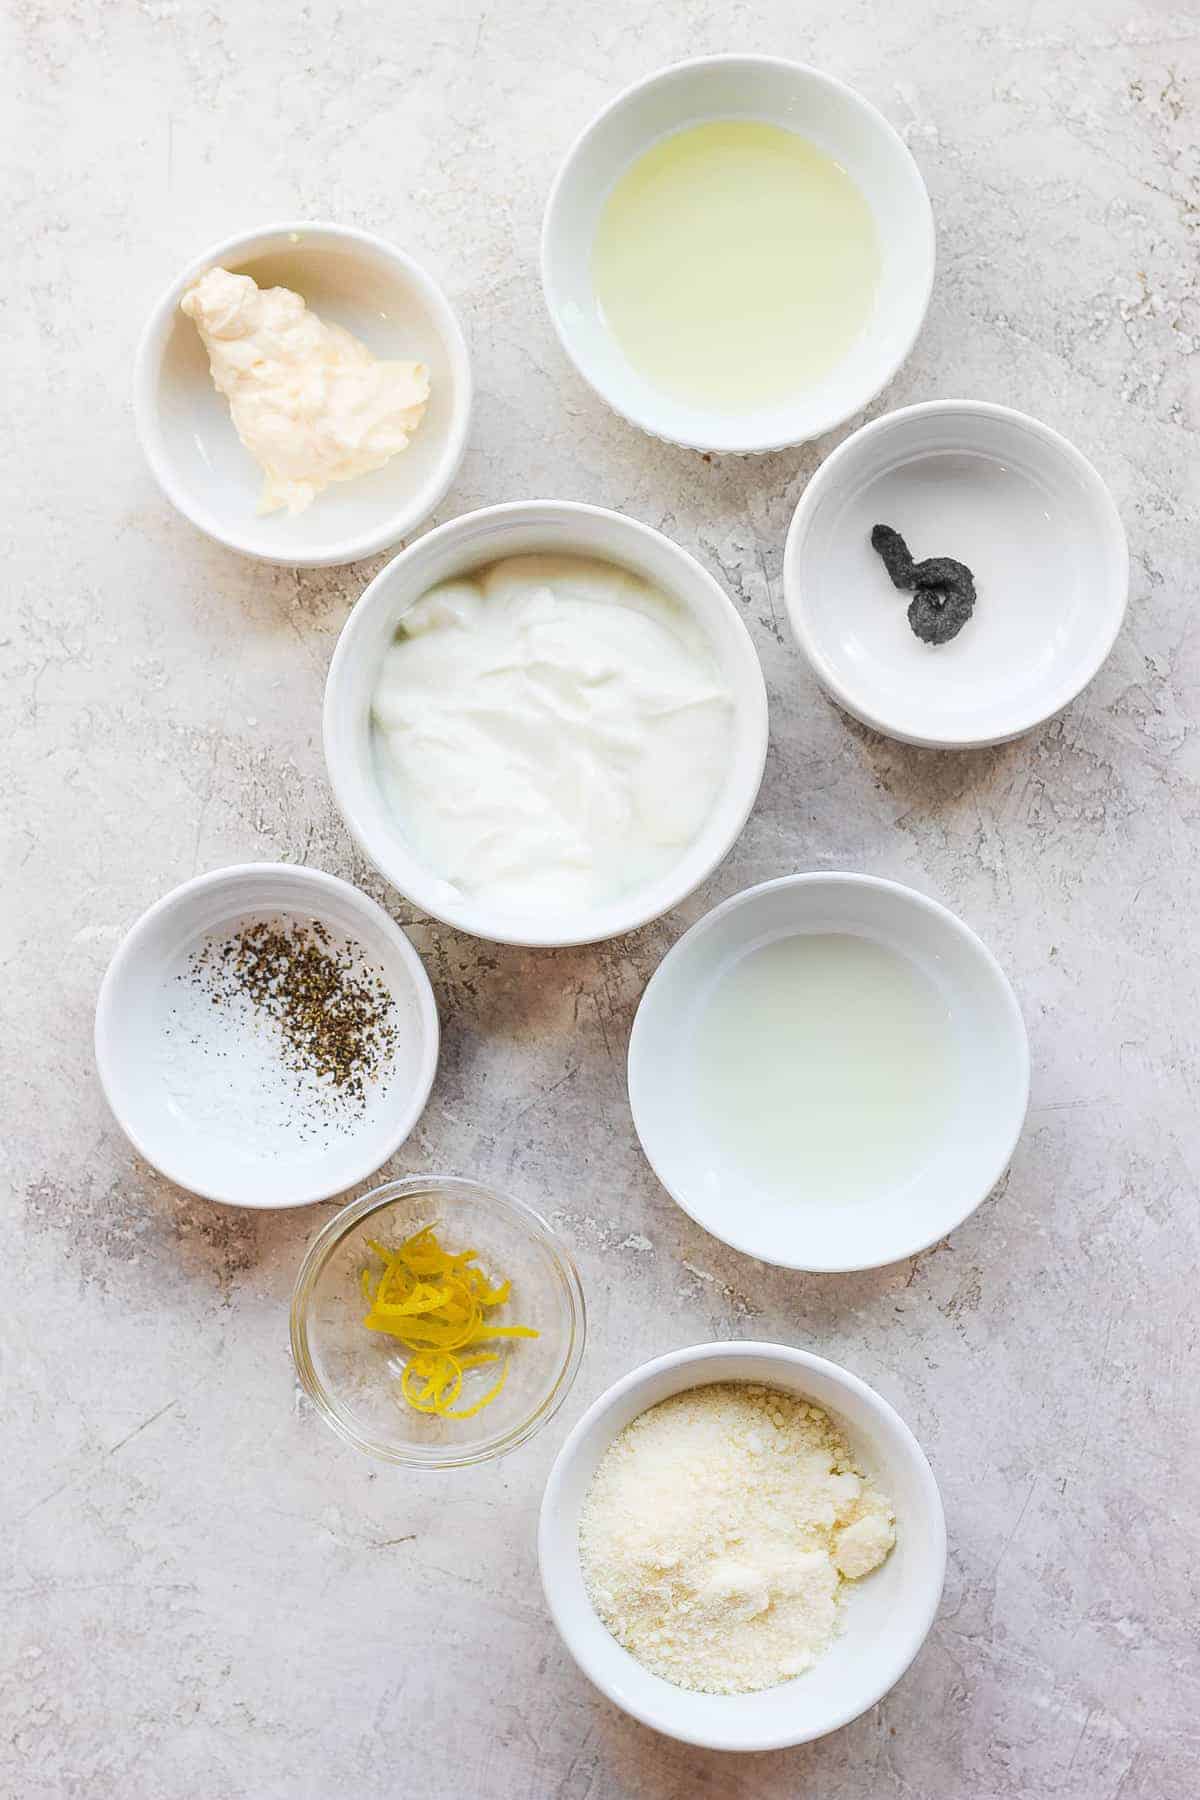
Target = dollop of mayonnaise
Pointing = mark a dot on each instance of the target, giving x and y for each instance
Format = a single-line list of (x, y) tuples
[(551, 732), (309, 401)]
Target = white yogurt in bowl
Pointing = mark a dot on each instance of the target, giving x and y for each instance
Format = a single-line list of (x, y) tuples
[(551, 731), (545, 723)]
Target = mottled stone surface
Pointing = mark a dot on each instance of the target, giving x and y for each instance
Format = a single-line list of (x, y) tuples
[(203, 1594)]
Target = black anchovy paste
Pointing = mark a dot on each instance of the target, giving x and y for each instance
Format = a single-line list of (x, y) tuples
[(943, 588), (897, 558)]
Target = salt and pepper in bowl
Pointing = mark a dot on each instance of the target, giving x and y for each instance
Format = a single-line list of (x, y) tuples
[(266, 1035)]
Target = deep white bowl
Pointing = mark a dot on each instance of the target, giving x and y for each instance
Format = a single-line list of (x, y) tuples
[(196, 1117), (1002, 493), (887, 1615), (982, 1122), (468, 543), (353, 279), (835, 119)]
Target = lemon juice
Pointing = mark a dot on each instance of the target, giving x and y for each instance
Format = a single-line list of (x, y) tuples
[(823, 1067), (735, 264)]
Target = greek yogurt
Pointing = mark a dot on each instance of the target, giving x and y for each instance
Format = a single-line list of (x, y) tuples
[(551, 731)]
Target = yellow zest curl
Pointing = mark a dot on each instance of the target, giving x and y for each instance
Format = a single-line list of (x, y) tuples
[(434, 1303)]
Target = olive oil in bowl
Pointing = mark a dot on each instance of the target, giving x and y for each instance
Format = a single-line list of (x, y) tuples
[(735, 264)]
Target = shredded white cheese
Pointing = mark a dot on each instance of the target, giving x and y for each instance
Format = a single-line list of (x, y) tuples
[(718, 1531)]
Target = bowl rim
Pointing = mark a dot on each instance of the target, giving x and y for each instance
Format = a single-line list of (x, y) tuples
[(342, 1223), (147, 377), (731, 441), (947, 921), (828, 474), (419, 884), (319, 883), (693, 1358)]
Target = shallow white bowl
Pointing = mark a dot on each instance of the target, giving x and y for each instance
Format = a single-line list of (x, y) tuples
[(352, 279), (831, 116), (982, 1124), (195, 1116), (564, 528), (1026, 512), (352, 1375), (887, 1615)]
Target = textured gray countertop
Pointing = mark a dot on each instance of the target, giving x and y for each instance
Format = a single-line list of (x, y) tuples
[(203, 1594)]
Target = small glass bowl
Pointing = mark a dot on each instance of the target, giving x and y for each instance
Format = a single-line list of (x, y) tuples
[(353, 1375)]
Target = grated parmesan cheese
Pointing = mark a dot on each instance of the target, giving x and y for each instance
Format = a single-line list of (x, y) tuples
[(718, 1531)]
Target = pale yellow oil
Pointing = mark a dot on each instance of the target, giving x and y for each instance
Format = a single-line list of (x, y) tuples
[(735, 264), (823, 1068)]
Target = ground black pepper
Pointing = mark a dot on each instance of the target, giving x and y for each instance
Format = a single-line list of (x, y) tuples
[(334, 1012)]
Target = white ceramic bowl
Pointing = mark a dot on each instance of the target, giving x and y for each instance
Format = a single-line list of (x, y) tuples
[(827, 113), (207, 1103), (468, 543), (1026, 512), (887, 1615), (983, 1119), (349, 278)]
